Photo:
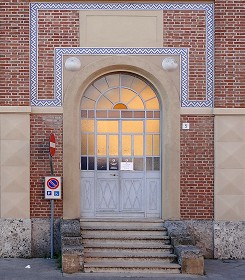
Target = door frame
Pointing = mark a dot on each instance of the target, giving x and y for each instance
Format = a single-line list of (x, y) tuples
[(169, 98)]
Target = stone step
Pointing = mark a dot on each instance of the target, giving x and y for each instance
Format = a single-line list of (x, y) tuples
[(123, 227), (153, 244), (109, 257), (122, 233), (127, 254), (71, 241), (110, 223), (168, 249), (130, 266), (124, 236)]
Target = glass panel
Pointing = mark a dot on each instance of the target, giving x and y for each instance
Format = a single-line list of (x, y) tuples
[(120, 106), (101, 145), (136, 104), (132, 126), (152, 126), (127, 95), (156, 145), (138, 164), (126, 145), (156, 163), (104, 103), (87, 125), (83, 163), (113, 95), (149, 145), (113, 80), (91, 144), (92, 93), (113, 145), (91, 163), (148, 163), (101, 164), (138, 145), (138, 85), (126, 80), (113, 164), (107, 126), (87, 103), (101, 84), (152, 104), (84, 144), (147, 93)]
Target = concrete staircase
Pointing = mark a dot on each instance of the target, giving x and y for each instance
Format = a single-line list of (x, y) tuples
[(127, 246)]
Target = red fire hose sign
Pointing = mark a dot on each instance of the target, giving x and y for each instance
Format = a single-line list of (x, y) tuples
[(53, 187)]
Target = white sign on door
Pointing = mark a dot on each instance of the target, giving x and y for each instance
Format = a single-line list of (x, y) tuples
[(127, 166)]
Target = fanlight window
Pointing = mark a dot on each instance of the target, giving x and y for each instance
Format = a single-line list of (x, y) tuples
[(120, 91)]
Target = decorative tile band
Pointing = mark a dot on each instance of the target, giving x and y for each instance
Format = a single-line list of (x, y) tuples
[(57, 101), (59, 52)]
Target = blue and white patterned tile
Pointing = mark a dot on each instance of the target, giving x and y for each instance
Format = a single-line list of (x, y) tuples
[(57, 101)]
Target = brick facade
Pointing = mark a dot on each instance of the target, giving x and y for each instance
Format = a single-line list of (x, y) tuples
[(180, 29), (197, 168), (41, 128)]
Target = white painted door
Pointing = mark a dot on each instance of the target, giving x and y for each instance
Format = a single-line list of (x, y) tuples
[(120, 150)]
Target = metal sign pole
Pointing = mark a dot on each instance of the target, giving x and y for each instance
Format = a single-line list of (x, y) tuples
[(52, 215)]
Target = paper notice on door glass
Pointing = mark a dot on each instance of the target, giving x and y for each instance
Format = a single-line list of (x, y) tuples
[(127, 166)]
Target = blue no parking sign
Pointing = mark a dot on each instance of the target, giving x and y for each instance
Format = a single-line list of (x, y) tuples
[(53, 187)]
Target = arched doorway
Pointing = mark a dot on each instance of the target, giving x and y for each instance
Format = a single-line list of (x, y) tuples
[(120, 148)]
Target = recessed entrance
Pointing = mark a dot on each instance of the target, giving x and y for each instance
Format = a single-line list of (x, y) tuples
[(120, 148)]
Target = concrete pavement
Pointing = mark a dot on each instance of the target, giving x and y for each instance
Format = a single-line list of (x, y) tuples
[(13, 269)]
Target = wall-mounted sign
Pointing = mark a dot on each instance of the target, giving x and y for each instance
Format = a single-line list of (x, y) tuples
[(113, 164), (127, 166), (52, 187)]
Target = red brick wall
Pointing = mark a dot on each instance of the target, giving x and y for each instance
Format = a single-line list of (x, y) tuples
[(230, 54), (55, 29), (187, 29), (14, 53), (197, 168), (41, 128)]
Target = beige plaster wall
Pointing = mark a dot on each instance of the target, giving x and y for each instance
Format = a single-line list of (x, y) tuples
[(120, 28), (230, 166), (14, 165), (169, 97)]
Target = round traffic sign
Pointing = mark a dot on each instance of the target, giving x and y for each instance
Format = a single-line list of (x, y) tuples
[(53, 183), (52, 145)]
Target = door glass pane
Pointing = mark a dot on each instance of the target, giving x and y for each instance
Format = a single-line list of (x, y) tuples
[(138, 164), (113, 145), (91, 144), (107, 126), (101, 164), (156, 139), (87, 125), (132, 126), (152, 126), (126, 145), (113, 80), (148, 163), (149, 145), (138, 85), (84, 144), (138, 145), (101, 84), (147, 93), (126, 80), (91, 163), (156, 163), (83, 163), (101, 145), (113, 95)]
